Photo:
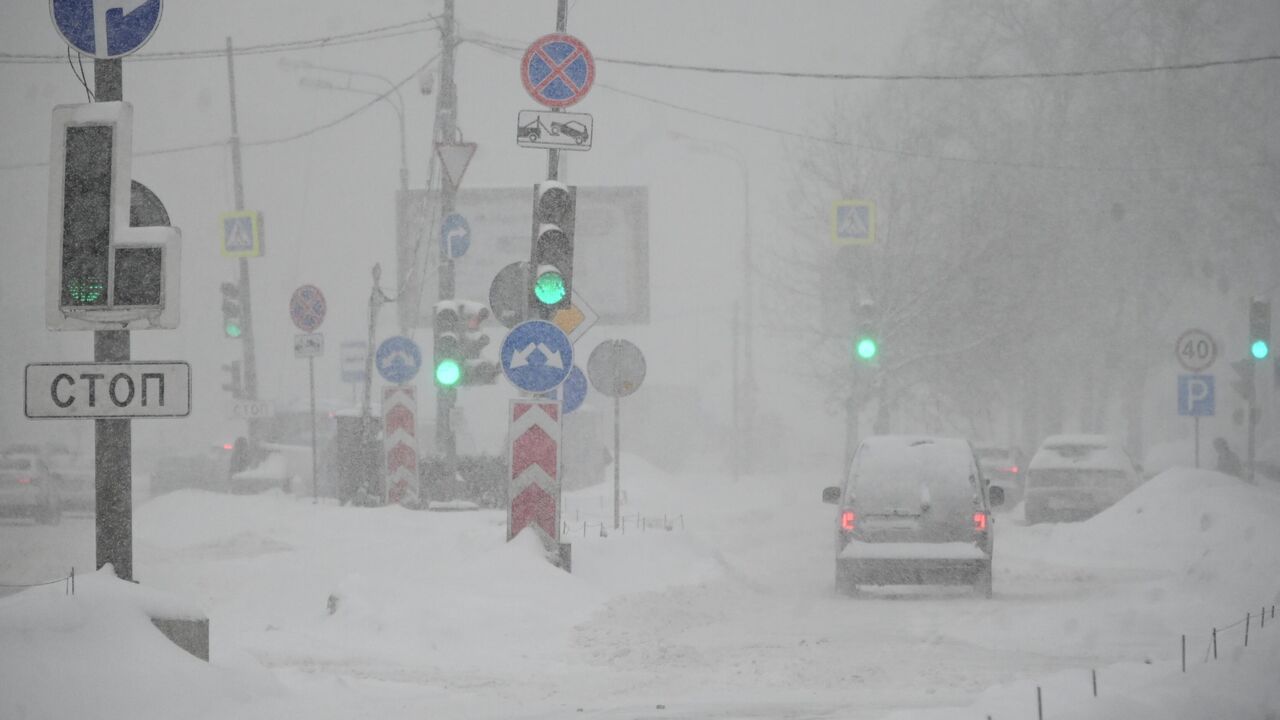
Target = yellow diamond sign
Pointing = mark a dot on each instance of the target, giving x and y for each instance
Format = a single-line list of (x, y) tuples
[(576, 319)]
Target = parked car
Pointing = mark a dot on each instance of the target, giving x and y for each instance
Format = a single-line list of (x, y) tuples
[(1004, 467), (1074, 477), (26, 489), (70, 473), (914, 510)]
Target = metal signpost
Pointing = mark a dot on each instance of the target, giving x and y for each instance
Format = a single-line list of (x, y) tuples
[(104, 275), (307, 309), (617, 369)]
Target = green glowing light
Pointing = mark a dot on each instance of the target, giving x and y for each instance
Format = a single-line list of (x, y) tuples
[(549, 288), (866, 348), (448, 373)]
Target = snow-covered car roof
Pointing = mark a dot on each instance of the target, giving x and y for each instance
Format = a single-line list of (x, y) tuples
[(1080, 451)]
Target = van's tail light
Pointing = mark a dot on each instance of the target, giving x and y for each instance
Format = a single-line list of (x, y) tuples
[(980, 522), (847, 521), (24, 481)]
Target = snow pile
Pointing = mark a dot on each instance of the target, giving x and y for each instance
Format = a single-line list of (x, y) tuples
[(96, 654)]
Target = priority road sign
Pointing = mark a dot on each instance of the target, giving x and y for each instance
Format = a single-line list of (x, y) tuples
[(108, 390), (1195, 395), (307, 308), (398, 359), (853, 222), (90, 27), (455, 235), (242, 234), (536, 356), (557, 70), (534, 468), (576, 319)]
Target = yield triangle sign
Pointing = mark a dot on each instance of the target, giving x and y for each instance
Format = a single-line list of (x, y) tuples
[(454, 159)]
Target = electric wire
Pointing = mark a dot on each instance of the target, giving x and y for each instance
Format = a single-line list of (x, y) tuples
[(504, 50), (946, 77), (384, 32)]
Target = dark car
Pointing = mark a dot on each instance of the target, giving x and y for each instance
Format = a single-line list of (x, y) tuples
[(1005, 467), (914, 510), (27, 490)]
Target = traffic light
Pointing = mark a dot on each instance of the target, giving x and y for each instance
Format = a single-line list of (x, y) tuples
[(1259, 329), (86, 213), (866, 348), (551, 259), (1244, 384), (232, 311), (233, 384), (447, 345), (472, 340)]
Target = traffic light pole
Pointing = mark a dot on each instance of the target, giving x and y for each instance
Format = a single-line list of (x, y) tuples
[(446, 132), (112, 439), (246, 338)]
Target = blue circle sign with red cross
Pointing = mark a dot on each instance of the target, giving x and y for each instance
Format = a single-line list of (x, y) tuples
[(557, 70)]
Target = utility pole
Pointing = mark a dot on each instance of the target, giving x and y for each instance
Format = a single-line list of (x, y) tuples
[(112, 439), (446, 131), (246, 339)]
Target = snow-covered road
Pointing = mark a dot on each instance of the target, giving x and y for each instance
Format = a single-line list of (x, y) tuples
[(733, 615)]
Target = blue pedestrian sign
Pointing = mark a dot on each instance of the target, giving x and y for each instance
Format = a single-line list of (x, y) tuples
[(557, 70), (536, 356), (455, 235), (853, 222), (398, 359), (105, 29), (1195, 395), (574, 390)]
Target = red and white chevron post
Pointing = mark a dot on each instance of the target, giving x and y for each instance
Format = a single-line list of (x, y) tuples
[(534, 434), (400, 439)]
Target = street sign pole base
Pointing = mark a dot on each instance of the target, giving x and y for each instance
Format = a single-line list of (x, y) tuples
[(566, 557)]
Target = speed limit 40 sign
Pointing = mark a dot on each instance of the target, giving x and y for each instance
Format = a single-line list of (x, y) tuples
[(1196, 350)]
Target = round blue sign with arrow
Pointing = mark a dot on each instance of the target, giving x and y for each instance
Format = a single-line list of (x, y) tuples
[(398, 359), (93, 29), (455, 235), (536, 356), (574, 390)]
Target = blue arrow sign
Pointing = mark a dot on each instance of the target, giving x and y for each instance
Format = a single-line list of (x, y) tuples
[(105, 29), (455, 235), (536, 356), (574, 390), (398, 359), (1195, 395)]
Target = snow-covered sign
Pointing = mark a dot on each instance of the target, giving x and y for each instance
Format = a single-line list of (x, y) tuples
[(454, 158), (308, 345), (400, 441), (534, 465), (93, 29)]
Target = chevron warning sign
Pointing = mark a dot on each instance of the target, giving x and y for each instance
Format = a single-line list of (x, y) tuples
[(399, 406), (534, 462)]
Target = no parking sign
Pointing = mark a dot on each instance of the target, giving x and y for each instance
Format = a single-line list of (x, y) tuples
[(557, 70)]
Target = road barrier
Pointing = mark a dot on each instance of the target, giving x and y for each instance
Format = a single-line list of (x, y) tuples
[(69, 579)]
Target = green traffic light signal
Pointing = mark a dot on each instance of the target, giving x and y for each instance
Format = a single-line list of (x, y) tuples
[(866, 348), (549, 288), (1260, 349), (448, 373), (233, 330), (84, 292)]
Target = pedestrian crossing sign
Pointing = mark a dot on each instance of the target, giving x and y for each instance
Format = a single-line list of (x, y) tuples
[(853, 222), (242, 234)]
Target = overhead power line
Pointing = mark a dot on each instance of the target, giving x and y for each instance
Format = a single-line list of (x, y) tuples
[(503, 50), (909, 76), (266, 141), (410, 27)]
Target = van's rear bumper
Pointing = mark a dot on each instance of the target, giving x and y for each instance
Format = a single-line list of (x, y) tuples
[(866, 563)]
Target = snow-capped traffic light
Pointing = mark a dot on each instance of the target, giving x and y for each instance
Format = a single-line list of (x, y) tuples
[(232, 311), (471, 340), (1259, 329), (551, 258)]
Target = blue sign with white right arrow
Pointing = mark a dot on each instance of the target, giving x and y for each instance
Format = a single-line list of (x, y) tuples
[(105, 29), (455, 235), (536, 356)]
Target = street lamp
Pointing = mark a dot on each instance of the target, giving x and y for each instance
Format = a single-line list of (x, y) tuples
[(397, 104), (748, 390)]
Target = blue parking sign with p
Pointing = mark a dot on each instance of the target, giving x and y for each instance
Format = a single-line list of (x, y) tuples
[(1195, 395)]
